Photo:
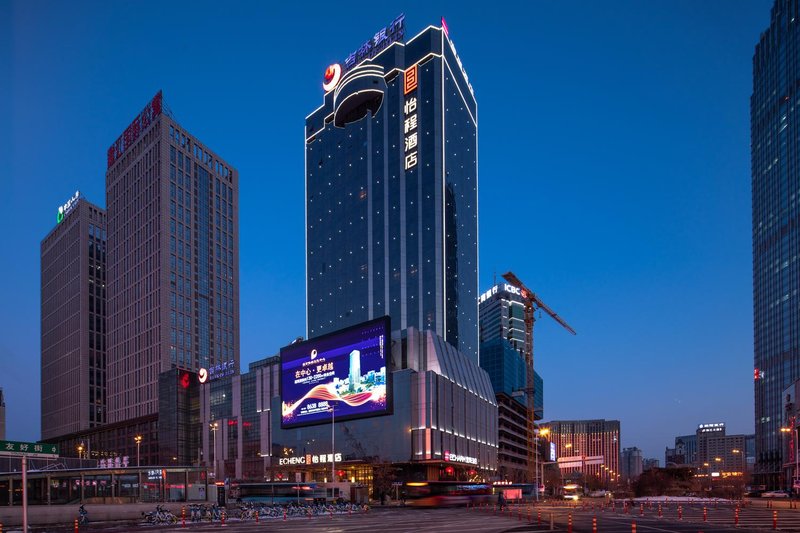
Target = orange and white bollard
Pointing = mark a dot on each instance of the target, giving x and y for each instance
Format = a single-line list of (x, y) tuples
[(538, 516), (183, 516), (641, 509), (76, 526), (257, 513), (659, 511), (594, 524), (569, 523), (284, 515), (680, 512), (736, 518), (775, 520), (633, 527), (223, 517), (705, 514)]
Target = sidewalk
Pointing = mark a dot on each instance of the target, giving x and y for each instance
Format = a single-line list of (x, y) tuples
[(39, 515)]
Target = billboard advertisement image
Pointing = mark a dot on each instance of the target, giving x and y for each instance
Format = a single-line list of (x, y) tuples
[(345, 371)]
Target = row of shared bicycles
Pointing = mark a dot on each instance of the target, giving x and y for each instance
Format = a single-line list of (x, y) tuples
[(251, 511)]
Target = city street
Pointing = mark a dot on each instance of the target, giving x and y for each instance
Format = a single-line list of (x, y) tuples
[(517, 519)]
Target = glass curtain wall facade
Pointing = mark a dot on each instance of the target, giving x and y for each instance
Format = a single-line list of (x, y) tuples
[(392, 195), (73, 315), (173, 259), (776, 238)]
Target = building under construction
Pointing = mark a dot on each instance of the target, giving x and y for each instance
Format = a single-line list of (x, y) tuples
[(506, 314)]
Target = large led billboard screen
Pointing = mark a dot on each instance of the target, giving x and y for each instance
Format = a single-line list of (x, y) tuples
[(347, 371)]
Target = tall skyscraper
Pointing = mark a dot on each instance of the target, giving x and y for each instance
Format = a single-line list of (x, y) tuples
[(392, 190), (776, 236), (502, 316), (73, 315), (173, 259)]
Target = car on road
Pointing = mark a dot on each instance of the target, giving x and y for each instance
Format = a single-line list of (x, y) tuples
[(774, 494)]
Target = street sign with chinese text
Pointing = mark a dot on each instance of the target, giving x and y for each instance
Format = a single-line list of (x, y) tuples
[(36, 449)]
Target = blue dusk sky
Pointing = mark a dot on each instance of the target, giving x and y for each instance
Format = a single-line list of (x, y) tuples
[(614, 168)]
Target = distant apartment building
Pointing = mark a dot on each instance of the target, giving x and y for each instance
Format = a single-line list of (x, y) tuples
[(649, 464), (587, 448), (630, 466), (684, 452), (711, 450), (73, 320)]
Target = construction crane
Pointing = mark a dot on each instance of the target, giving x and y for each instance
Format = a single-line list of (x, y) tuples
[(532, 303)]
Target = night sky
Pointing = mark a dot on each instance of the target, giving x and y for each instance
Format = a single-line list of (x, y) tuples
[(614, 174)]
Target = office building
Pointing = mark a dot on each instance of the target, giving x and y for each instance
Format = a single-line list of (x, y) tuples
[(712, 451), (502, 355), (173, 260), (631, 464), (776, 236), (392, 190), (442, 424), (587, 449), (73, 320), (502, 316)]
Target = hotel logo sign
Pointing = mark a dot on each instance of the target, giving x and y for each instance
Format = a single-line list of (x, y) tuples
[(67, 207)]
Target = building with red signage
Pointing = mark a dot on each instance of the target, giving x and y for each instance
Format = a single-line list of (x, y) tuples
[(392, 190), (173, 259), (73, 320)]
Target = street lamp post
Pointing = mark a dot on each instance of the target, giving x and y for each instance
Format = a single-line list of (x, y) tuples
[(214, 427), (80, 455), (138, 440), (786, 430), (333, 448)]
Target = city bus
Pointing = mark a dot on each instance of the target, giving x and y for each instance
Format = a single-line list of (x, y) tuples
[(278, 492), (447, 493), (571, 492)]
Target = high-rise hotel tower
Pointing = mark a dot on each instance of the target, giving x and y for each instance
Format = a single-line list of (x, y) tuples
[(392, 190), (775, 126), (173, 260)]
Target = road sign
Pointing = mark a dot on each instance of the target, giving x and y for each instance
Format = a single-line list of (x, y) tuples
[(33, 449)]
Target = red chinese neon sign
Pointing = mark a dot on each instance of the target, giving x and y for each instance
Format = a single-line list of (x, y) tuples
[(132, 132)]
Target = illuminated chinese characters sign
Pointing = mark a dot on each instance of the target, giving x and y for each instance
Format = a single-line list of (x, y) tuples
[(310, 459), (15, 448), (220, 370), (67, 207), (410, 121), (455, 458), (386, 36), (506, 287), (132, 132)]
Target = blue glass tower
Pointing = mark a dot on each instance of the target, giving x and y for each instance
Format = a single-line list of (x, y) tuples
[(774, 108), (392, 191)]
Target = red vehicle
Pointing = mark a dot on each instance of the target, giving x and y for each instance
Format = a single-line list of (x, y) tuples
[(447, 493)]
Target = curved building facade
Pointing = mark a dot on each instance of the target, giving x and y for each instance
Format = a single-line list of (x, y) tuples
[(392, 191)]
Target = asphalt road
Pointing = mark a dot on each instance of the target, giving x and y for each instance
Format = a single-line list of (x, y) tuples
[(462, 520)]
